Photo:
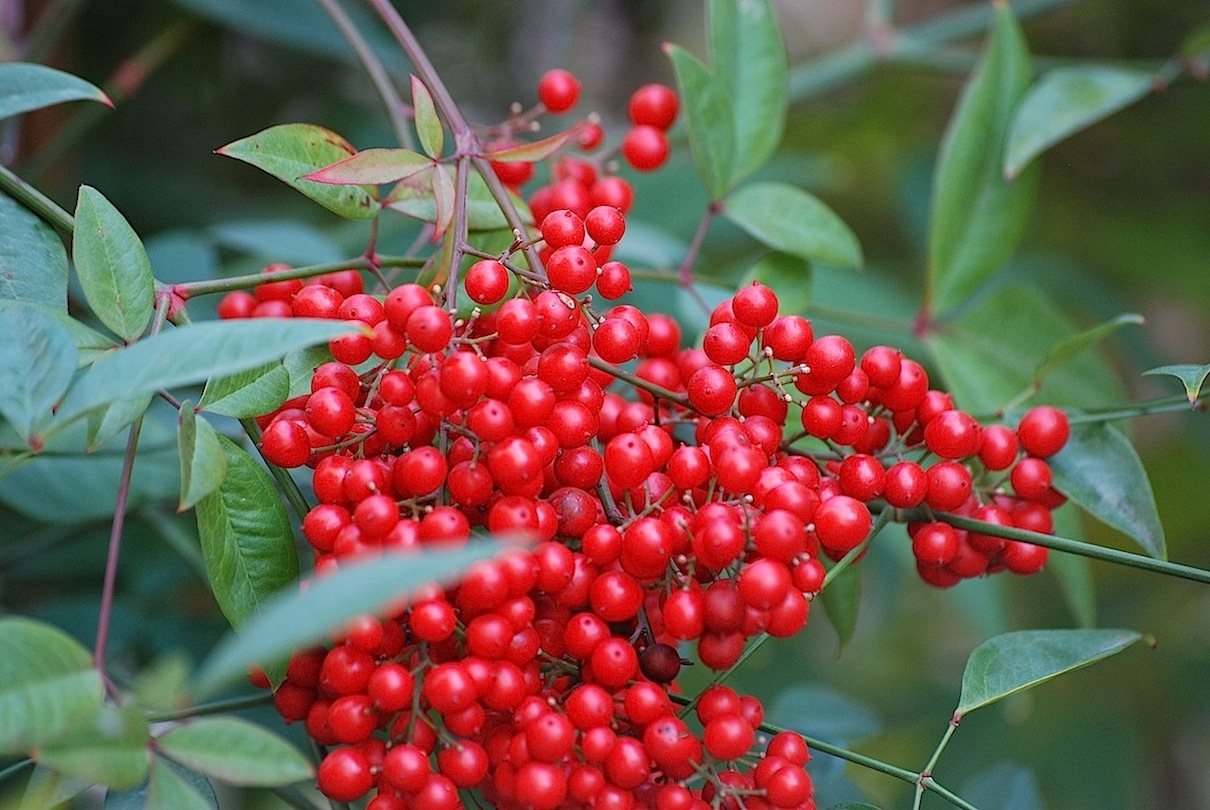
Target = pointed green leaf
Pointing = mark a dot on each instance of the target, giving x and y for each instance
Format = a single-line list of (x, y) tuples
[(977, 216), (246, 538), (443, 199), (291, 151), (48, 788), (1065, 101), (108, 747), (112, 265), (788, 219), (247, 393), (372, 167), (413, 196), (748, 59), (168, 787), (1063, 351), (1012, 662), (90, 344), (190, 355), (47, 683), (235, 751), (300, 364), (534, 150), (37, 363), (1191, 376), (841, 600), (295, 619), (428, 125), (789, 275), (106, 423), (203, 462), (25, 87), (33, 263), (708, 119), (1100, 471)]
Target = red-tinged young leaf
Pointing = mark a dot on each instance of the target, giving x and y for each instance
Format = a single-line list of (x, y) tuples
[(1100, 471), (25, 87), (1012, 662), (112, 265), (534, 151), (1065, 101), (108, 747), (290, 152), (709, 120), (37, 362), (788, 219), (748, 59), (203, 462), (1191, 376), (372, 167), (977, 216), (443, 198), (33, 263), (47, 684), (235, 751), (413, 197), (246, 538), (428, 125)]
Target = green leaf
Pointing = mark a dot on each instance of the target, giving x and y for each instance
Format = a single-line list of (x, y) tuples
[(748, 58), (708, 119), (47, 684), (1065, 101), (108, 422), (37, 363), (1063, 351), (203, 462), (788, 219), (247, 393), (298, 618), (977, 216), (825, 713), (168, 787), (161, 685), (190, 355), (277, 240), (235, 751), (414, 197), (443, 199), (1074, 572), (1012, 662), (1100, 471), (47, 788), (300, 364), (841, 600), (25, 87), (1004, 787), (372, 167), (534, 151), (112, 265), (428, 125), (291, 151), (789, 275), (1191, 376), (246, 537), (90, 344), (109, 748), (33, 263)]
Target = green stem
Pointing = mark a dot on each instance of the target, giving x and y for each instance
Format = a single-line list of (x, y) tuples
[(884, 517), (719, 677), (14, 769), (190, 289), (1058, 543), (48, 29), (927, 773), (657, 391), (285, 483), (1131, 411), (36, 201), (215, 707)]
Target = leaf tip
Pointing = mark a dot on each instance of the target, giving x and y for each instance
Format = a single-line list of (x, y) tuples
[(106, 100)]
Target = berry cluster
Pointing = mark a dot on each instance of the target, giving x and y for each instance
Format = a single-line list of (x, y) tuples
[(648, 496)]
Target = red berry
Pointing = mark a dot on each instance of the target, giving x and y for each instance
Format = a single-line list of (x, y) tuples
[(558, 90), (645, 147), (654, 105)]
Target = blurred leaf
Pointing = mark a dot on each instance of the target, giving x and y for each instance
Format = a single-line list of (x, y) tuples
[(748, 59), (161, 685), (977, 216), (278, 240), (235, 751), (841, 600), (291, 151), (37, 363), (443, 199), (1100, 471), (373, 167), (112, 265), (1013, 662), (824, 713), (708, 119), (1191, 376), (428, 125), (25, 87), (1004, 787), (106, 423), (189, 355), (47, 684), (203, 463), (789, 276), (246, 538), (297, 618), (788, 219), (534, 150), (247, 393), (109, 748), (48, 788), (1065, 101), (414, 197), (90, 344), (168, 787), (33, 263), (1073, 571), (1196, 46), (1063, 351)]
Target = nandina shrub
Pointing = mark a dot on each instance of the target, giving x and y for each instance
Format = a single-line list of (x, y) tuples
[(526, 509)]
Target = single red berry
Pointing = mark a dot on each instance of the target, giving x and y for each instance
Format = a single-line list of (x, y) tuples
[(645, 147), (1043, 431), (558, 90), (654, 105)]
